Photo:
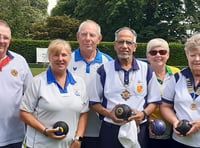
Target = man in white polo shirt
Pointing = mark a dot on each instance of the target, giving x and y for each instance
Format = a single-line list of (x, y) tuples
[(125, 80), (84, 62), (15, 76)]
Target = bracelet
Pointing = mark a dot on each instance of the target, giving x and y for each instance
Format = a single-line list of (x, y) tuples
[(45, 131), (145, 114)]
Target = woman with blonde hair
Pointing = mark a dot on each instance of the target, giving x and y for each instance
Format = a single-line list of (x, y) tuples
[(55, 95)]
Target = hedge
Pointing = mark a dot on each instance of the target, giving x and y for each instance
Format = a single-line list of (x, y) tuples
[(27, 48)]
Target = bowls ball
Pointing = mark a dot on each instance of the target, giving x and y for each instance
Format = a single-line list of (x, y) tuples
[(123, 111), (63, 128), (183, 126), (158, 127)]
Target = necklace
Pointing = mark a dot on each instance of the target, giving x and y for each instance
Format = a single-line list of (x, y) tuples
[(194, 94), (125, 93)]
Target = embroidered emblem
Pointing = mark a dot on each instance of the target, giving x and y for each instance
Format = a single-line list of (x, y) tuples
[(74, 68), (14, 72), (139, 87)]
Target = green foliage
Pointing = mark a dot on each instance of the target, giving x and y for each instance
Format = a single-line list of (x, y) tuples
[(53, 27), (21, 14), (151, 18)]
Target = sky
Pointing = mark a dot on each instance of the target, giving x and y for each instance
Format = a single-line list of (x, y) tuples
[(51, 5)]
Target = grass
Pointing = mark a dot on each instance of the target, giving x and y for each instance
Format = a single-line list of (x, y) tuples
[(36, 71)]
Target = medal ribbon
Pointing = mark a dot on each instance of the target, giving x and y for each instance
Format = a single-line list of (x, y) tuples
[(194, 93)]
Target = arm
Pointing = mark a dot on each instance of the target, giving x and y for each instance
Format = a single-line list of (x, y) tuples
[(82, 123), (30, 120), (142, 115), (168, 113)]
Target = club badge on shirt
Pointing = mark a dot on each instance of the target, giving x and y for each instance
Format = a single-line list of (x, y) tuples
[(14, 72), (139, 87)]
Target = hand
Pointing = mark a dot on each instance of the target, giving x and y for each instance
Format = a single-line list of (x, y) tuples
[(195, 127), (138, 117), (75, 144), (50, 132), (150, 127), (114, 118)]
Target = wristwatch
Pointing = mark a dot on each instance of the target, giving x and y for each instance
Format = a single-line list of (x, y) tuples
[(78, 138), (145, 115)]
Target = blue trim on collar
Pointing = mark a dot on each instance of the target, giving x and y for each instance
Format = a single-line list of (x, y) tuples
[(97, 59), (9, 54), (188, 74), (134, 65), (51, 79)]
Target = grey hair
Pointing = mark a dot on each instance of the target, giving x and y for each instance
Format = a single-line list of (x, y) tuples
[(90, 21), (157, 42), (126, 28), (193, 43)]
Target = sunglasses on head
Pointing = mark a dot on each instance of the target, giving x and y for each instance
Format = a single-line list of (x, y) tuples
[(155, 52)]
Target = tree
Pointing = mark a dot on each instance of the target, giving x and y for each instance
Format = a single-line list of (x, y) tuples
[(53, 27), (21, 14)]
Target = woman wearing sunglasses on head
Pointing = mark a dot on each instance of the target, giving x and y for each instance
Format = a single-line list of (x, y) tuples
[(157, 54)]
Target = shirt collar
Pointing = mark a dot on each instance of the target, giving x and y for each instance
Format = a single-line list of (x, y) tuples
[(118, 65), (97, 59), (9, 54), (51, 78), (168, 70)]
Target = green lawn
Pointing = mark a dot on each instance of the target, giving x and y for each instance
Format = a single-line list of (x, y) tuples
[(36, 71)]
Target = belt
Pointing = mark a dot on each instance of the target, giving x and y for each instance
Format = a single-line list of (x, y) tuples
[(110, 124)]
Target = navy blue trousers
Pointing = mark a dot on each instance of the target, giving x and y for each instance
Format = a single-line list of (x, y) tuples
[(109, 136)]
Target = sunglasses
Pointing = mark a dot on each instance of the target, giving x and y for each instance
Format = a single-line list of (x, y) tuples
[(155, 52)]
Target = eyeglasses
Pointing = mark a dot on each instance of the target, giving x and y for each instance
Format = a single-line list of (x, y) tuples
[(128, 43), (155, 52)]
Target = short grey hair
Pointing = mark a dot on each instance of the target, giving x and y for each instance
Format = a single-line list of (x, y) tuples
[(90, 21), (193, 43), (157, 42), (126, 28)]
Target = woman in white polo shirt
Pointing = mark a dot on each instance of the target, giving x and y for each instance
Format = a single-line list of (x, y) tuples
[(55, 95), (181, 98)]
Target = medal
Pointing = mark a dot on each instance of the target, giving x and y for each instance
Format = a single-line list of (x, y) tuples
[(193, 106), (194, 94), (125, 94)]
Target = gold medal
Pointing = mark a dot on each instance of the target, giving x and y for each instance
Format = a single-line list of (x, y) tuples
[(125, 94), (193, 106), (194, 94)]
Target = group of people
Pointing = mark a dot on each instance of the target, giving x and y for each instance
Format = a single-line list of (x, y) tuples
[(83, 88)]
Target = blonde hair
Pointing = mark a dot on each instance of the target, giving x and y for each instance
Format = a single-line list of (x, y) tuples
[(157, 42), (57, 45), (193, 43)]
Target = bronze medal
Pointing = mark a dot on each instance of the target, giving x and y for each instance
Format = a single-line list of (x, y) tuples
[(125, 94), (193, 106)]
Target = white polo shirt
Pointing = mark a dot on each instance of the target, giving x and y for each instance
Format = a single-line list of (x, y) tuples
[(176, 93), (143, 86), (87, 70), (50, 103), (14, 79)]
